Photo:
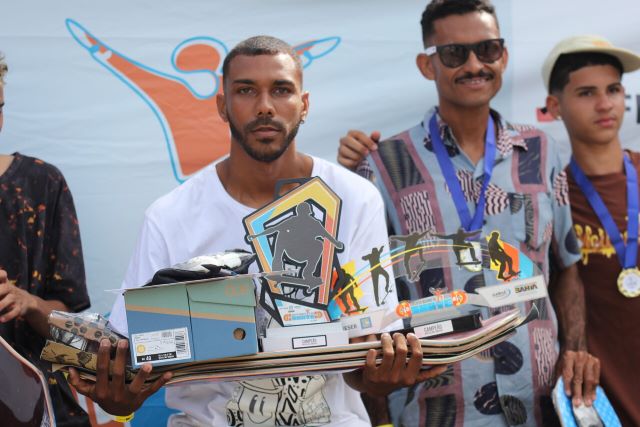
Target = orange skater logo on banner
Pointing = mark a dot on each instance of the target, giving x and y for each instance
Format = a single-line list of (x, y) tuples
[(194, 133)]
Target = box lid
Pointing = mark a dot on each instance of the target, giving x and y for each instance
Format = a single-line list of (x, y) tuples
[(165, 300), (238, 290)]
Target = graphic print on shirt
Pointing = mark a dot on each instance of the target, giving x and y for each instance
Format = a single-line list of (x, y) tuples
[(595, 241), (279, 402)]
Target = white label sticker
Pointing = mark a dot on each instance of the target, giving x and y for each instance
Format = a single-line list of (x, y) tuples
[(433, 329), (363, 324), (161, 346), (306, 342), (514, 291)]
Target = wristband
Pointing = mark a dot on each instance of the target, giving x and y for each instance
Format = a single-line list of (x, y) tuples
[(123, 418)]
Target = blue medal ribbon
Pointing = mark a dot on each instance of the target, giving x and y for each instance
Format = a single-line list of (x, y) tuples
[(627, 254), (449, 172)]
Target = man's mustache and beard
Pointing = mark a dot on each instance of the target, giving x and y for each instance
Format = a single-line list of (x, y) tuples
[(265, 154)]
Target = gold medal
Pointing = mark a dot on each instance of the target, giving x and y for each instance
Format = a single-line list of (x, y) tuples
[(629, 282)]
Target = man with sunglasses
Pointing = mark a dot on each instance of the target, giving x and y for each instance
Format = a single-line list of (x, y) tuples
[(583, 75), (464, 165)]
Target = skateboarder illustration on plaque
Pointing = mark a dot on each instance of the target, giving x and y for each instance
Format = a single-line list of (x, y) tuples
[(376, 271), (500, 258), (464, 250), (295, 238), (410, 247), (344, 289), (298, 241)]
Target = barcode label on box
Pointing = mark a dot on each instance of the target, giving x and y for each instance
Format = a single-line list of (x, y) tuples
[(161, 346)]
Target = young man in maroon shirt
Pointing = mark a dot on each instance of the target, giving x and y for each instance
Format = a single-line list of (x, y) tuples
[(583, 77)]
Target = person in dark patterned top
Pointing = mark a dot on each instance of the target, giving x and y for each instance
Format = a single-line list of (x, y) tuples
[(41, 266)]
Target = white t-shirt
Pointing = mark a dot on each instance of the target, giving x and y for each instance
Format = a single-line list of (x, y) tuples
[(200, 217)]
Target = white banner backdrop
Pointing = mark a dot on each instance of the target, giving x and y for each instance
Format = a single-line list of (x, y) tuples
[(119, 95)]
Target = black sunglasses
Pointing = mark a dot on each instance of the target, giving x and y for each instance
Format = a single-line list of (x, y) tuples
[(454, 55)]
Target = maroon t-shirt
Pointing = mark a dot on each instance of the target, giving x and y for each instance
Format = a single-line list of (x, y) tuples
[(613, 320)]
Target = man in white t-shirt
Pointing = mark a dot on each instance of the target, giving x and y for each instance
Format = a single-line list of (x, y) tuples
[(264, 104)]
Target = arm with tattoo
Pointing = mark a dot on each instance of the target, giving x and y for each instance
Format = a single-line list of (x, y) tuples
[(579, 369)]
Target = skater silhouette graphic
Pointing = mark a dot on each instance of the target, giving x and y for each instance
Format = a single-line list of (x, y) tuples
[(410, 246), (299, 239), (345, 289), (500, 257), (460, 243), (376, 272)]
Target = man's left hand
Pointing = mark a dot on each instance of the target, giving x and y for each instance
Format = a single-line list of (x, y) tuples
[(14, 302), (395, 370), (581, 374)]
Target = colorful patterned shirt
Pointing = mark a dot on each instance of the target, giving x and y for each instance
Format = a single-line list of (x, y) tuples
[(527, 203)]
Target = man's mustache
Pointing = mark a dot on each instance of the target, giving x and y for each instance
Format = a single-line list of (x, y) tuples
[(480, 75), (264, 121)]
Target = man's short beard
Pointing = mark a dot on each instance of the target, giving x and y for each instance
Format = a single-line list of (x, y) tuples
[(255, 154)]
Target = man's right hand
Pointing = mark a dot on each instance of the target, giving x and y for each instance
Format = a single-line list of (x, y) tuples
[(581, 375), (113, 395), (355, 146)]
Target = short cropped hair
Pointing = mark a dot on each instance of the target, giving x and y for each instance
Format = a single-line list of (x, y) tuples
[(3, 69), (570, 62), (261, 45), (438, 9)]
